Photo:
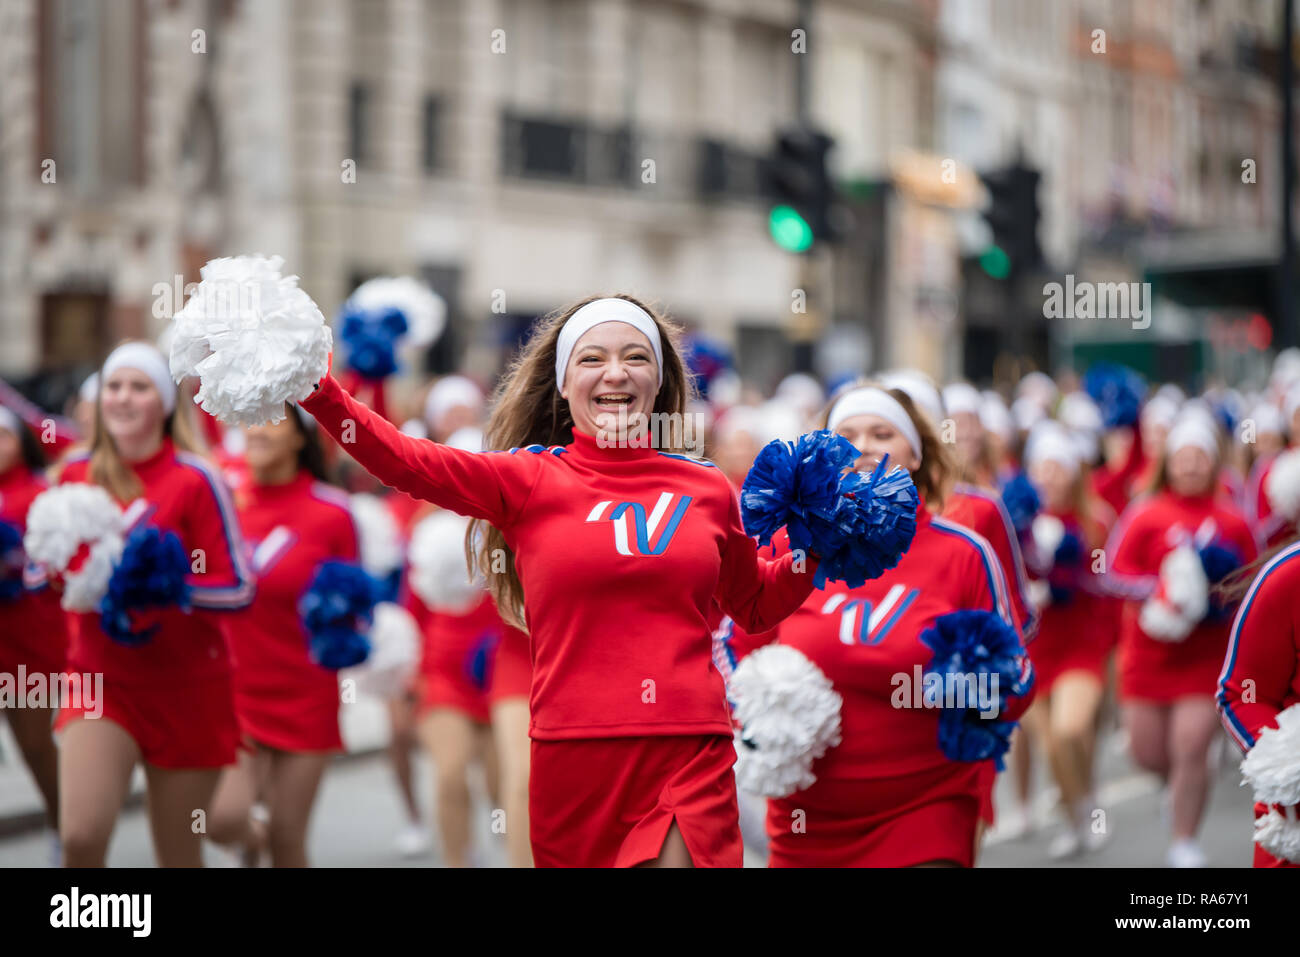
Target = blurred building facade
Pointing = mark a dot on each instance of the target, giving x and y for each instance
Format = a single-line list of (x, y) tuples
[(521, 153)]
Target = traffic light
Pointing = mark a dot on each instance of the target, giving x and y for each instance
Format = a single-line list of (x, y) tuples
[(1013, 216), (799, 185)]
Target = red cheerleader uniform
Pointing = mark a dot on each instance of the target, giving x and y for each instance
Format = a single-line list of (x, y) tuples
[(983, 512), (173, 695), (1115, 486), (1263, 649), (1075, 632), (1271, 528), (456, 656), (887, 796), (620, 552), (1151, 669), (512, 666), (32, 630), (283, 699)]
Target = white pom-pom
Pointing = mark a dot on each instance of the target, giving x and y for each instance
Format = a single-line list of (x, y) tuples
[(84, 588), (439, 575), (1183, 599), (790, 714), (1272, 766), (1279, 835), (424, 309), (1048, 532), (1040, 593), (1283, 485), (61, 520), (394, 653), (380, 539), (253, 338)]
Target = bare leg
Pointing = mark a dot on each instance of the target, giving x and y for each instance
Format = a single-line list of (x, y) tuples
[(449, 737), (295, 782), (175, 797), (31, 728), (96, 757), (1193, 727), (510, 729), (401, 713)]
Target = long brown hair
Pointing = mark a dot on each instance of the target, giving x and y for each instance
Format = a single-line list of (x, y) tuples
[(106, 465), (938, 469), (1234, 585), (527, 409)]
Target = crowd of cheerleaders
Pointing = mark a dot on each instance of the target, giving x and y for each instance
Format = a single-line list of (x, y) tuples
[(1071, 516)]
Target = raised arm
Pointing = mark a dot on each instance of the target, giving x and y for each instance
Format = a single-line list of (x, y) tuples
[(488, 485)]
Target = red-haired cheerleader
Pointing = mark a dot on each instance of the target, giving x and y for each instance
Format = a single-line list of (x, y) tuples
[(33, 636), (1259, 700), (1074, 639), (167, 698), (287, 703), (613, 551), (889, 794), (1164, 552)]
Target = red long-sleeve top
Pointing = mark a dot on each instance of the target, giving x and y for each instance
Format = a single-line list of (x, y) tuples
[(620, 552)]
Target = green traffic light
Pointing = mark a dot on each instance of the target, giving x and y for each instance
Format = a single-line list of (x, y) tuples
[(790, 230), (996, 262)]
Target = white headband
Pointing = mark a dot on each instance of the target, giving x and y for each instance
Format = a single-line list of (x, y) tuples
[(449, 392), (1048, 442), (144, 358), (871, 401), (1192, 430), (1268, 419), (919, 389), (961, 397), (9, 421), (593, 314)]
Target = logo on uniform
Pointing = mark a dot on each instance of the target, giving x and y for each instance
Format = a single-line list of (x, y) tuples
[(645, 533), (866, 623)]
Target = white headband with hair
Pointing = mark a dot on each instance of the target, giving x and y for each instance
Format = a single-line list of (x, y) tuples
[(593, 314), (1192, 430), (873, 401), (147, 359), (1050, 442)]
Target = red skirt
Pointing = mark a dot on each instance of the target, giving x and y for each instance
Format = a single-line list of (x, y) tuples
[(189, 725), (880, 822), (609, 802), (512, 667), (1054, 653), (1163, 672), (299, 720)]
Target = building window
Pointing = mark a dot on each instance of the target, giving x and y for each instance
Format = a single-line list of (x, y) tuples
[(429, 114), (358, 122)]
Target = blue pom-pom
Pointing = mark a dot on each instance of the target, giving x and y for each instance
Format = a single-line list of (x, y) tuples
[(872, 527), (337, 608), (705, 359), (11, 562), (1219, 561), (388, 587), (1021, 501), (479, 660), (1118, 392), (371, 338), (976, 643), (858, 525), (150, 574), (1070, 551)]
